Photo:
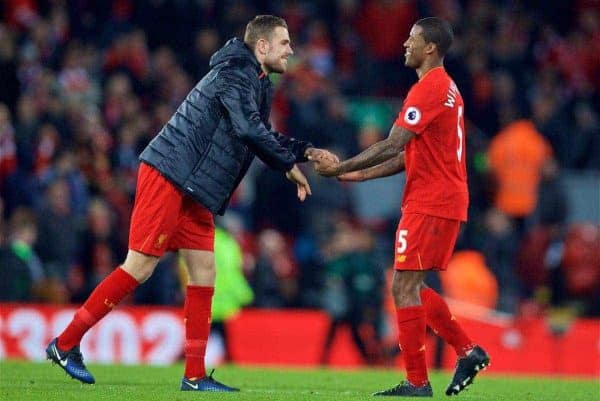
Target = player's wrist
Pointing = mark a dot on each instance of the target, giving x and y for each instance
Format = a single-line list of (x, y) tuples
[(342, 168)]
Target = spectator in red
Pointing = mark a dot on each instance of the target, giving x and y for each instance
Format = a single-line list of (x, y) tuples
[(8, 146), (129, 52), (382, 24), (581, 267), (21, 14)]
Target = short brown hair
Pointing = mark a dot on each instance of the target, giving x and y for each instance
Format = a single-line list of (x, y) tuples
[(438, 31), (261, 27)]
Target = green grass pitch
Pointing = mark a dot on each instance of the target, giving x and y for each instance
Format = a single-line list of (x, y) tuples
[(41, 381)]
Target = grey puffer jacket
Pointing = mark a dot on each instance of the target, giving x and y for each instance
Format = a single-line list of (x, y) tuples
[(209, 143)]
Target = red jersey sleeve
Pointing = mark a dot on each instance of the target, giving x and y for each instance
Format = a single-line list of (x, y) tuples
[(421, 106)]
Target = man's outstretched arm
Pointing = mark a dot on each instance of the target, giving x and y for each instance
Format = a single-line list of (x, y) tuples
[(236, 95), (375, 154), (385, 169)]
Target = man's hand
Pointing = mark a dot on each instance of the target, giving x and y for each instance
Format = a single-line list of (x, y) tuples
[(327, 168), (323, 160), (317, 156), (296, 176)]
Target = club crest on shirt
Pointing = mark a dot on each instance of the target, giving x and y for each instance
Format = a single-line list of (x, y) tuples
[(412, 115), (160, 241)]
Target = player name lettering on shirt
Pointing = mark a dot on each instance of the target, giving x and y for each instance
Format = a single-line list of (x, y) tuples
[(451, 95)]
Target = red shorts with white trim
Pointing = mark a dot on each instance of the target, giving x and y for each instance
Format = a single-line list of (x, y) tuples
[(165, 219), (424, 242)]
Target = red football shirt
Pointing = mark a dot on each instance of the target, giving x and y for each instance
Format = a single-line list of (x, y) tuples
[(436, 177)]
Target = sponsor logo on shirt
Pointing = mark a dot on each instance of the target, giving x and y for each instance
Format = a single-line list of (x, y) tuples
[(412, 115)]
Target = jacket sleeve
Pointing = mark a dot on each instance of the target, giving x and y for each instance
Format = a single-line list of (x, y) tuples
[(237, 96), (296, 146)]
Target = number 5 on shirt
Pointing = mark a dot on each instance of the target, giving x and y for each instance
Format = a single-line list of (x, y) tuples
[(402, 244)]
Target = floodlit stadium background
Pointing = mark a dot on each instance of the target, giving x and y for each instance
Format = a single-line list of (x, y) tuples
[(84, 86)]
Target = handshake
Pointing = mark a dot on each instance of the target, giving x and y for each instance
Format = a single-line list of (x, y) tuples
[(325, 163)]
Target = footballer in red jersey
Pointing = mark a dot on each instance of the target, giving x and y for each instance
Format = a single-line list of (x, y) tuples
[(435, 197), (188, 173), (427, 141)]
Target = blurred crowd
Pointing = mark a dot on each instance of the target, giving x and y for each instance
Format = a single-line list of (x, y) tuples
[(85, 85)]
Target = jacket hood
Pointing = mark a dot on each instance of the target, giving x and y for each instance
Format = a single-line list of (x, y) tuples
[(233, 49)]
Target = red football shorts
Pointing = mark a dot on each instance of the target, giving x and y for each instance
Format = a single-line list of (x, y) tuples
[(424, 242), (165, 219)]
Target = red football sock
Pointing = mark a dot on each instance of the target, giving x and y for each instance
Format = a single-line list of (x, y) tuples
[(443, 323), (196, 311), (106, 296), (411, 327)]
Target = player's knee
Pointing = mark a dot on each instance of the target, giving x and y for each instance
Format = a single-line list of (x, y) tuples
[(403, 284), (142, 272), (405, 291), (202, 274), (404, 300), (139, 266)]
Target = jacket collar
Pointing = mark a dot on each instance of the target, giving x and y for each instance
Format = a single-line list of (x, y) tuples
[(235, 48), (251, 56)]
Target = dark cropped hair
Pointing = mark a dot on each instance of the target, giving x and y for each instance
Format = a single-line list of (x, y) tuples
[(262, 27), (438, 31)]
